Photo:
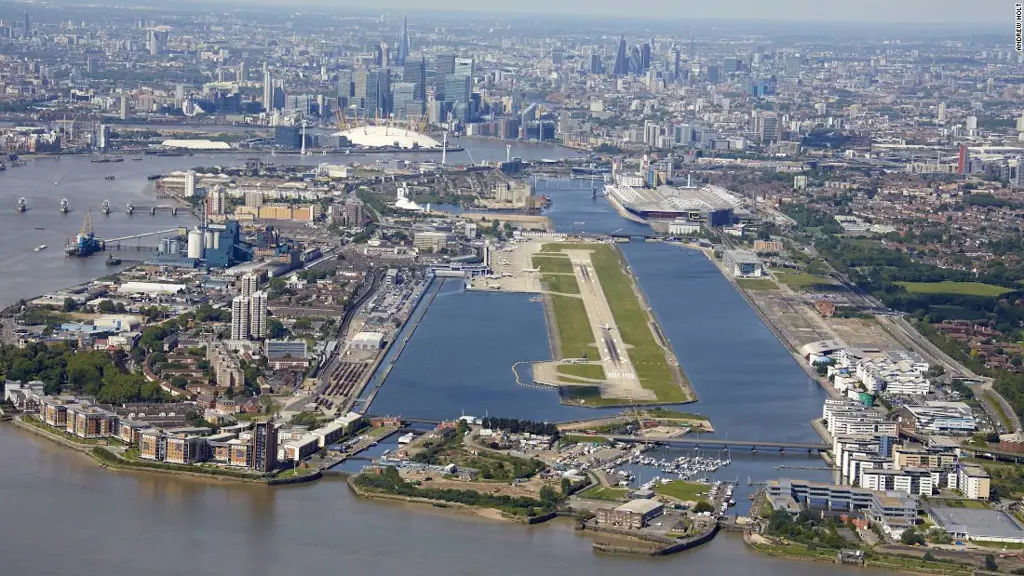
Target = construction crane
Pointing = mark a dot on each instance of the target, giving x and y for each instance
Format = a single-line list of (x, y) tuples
[(87, 224), (342, 125)]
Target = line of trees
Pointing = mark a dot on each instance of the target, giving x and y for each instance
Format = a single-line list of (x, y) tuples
[(516, 426), (63, 369)]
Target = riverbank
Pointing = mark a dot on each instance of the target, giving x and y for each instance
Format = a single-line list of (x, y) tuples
[(626, 542), (894, 563), (105, 458), (791, 347), (455, 507)]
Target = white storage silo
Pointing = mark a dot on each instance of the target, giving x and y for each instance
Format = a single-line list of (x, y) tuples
[(195, 244)]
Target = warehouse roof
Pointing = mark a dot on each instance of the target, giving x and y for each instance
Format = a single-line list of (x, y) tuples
[(640, 506)]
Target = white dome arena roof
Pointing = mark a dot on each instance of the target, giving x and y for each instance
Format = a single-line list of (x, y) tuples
[(379, 136)]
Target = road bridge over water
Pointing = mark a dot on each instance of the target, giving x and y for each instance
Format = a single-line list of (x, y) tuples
[(724, 443)]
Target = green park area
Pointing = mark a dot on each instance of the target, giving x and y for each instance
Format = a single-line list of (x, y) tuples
[(603, 493), (756, 284), (962, 288), (683, 491), (552, 264), (561, 283), (592, 371), (804, 281), (576, 339), (631, 319)]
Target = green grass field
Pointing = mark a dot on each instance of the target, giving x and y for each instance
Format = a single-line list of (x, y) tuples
[(756, 284), (562, 283), (592, 371), (671, 414), (631, 319), (964, 288), (552, 264), (603, 493), (576, 340), (803, 281), (683, 491)]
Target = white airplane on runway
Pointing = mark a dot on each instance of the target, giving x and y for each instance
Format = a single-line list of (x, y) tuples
[(530, 270), (606, 327)]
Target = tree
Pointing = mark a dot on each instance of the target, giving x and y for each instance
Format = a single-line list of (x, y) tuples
[(69, 304), (548, 495), (106, 307), (928, 557), (275, 329), (566, 486), (912, 537), (990, 563), (704, 506)]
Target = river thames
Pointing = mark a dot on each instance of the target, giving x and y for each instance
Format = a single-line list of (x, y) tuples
[(66, 515)]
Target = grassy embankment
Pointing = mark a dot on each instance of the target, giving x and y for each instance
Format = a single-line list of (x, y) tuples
[(552, 263), (804, 281), (683, 491), (632, 321), (757, 284), (603, 493), (963, 288), (561, 283)]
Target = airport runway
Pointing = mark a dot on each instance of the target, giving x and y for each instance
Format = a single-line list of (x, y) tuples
[(620, 376)]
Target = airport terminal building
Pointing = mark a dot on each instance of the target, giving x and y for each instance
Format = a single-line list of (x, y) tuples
[(711, 205)]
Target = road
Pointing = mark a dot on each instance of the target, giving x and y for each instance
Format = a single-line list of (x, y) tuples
[(898, 326)]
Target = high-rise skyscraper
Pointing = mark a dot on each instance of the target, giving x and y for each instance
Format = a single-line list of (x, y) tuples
[(378, 93), (264, 446), (243, 72), (258, 315), (28, 29), (268, 90), (621, 67), (464, 67), (645, 57), (677, 57), (250, 283), (416, 73), (942, 112), (596, 66), (636, 60), (445, 65), (402, 51), (458, 92), (240, 318), (359, 81), (557, 56), (404, 98), (768, 127)]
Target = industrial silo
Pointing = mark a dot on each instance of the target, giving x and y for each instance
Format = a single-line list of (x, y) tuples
[(195, 244)]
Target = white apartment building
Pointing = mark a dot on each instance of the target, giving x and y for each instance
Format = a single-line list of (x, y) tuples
[(973, 482)]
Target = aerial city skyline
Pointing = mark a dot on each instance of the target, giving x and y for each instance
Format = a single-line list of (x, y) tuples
[(637, 282)]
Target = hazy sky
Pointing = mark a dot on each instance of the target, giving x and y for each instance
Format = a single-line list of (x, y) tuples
[(908, 11)]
